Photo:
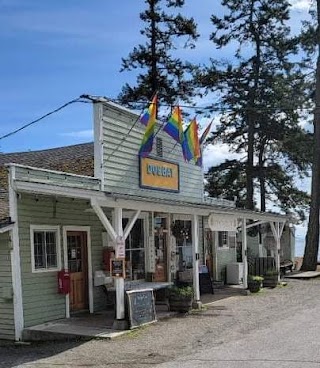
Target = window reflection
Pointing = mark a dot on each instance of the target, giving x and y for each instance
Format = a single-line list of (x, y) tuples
[(135, 252)]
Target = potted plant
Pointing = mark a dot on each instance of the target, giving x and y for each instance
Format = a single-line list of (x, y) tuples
[(255, 283), (271, 277), (180, 299)]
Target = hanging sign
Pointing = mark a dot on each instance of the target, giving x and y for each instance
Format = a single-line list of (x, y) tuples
[(222, 222), (117, 267), (120, 248)]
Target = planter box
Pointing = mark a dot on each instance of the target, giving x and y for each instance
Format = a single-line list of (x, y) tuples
[(180, 304), (270, 281)]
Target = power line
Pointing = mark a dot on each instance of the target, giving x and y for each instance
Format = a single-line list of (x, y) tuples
[(216, 108), (42, 117)]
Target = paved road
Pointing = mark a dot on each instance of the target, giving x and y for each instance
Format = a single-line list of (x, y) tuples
[(276, 328)]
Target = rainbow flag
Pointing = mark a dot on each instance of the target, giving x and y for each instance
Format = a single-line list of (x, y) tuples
[(145, 117), (190, 144), (201, 141), (199, 161), (147, 140), (174, 125), (205, 133)]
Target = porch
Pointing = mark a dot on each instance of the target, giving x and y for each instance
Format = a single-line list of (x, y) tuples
[(99, 325)]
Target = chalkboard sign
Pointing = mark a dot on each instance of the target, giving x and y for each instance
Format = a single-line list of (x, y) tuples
[(117, 267), (205, 283), (141, 307)]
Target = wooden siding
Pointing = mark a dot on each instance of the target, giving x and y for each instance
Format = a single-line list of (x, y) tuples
[(121, 162), (34, 175), (41, 301), (6, 305)]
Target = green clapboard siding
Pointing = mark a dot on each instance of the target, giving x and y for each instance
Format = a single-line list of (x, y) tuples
[(6, 305), (121, 145), (224, 256), (41, 301)]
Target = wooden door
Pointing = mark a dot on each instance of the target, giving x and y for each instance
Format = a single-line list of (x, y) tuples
[(161, 241), (78, 268)]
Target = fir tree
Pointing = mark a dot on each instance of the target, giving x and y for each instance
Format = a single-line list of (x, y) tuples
[(158, 68), (311, 43), (263, 88)]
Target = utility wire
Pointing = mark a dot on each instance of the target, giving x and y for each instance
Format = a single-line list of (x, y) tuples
[(217, 108), (42, 117), (95, 99)]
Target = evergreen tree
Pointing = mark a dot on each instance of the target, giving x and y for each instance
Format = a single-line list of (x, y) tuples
[(263, 88), (159, 70), (311, 43)]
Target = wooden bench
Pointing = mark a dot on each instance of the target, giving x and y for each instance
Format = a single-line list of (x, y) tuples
[(285, 266)]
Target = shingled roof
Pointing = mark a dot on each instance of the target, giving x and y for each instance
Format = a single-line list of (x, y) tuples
[(77, 159)]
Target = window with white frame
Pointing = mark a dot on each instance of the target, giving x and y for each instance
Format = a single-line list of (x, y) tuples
[(45, 248), (135, 251), (226, 239), (223, 239)]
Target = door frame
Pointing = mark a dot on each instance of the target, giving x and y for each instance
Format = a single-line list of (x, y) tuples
[(168, 242), (85, 229)]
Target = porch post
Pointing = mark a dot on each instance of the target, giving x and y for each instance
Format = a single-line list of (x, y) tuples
[(119, 282), (244, 253), (196, 257), (278, 250), (277, 232)]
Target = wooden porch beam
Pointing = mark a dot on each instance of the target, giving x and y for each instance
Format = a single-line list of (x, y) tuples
[(130, 224), (104, 220)]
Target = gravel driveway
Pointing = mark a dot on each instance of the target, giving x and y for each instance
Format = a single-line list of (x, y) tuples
[(226, 321)]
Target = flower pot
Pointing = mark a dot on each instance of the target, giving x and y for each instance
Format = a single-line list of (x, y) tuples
[(178, 303), (254, 286)]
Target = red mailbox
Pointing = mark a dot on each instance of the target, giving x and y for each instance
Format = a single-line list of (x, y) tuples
[(63, 282)]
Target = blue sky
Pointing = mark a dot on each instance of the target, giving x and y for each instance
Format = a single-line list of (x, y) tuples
[(54, 51)]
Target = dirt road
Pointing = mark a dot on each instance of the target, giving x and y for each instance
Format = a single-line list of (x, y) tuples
[(200, 339)]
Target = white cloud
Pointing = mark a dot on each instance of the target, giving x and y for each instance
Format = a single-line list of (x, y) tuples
[(215, 154), (80, 134), (301, 4)]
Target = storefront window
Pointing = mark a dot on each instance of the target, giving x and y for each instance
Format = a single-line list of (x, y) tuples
[(184, 244), (135, 252)]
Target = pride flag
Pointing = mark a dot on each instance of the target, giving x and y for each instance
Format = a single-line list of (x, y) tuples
[(145, 117), (174, 125), (201, 141), (147, 140), (190, 144), (205, 133)]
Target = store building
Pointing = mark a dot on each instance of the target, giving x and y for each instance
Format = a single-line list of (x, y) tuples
[(66, 212)]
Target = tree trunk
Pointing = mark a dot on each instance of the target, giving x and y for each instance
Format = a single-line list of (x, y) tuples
[(310, 257), (252, 114), (249, 166), (154, 73), (262, 182)]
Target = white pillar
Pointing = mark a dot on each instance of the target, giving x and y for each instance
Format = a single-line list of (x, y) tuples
[(119, 282), (244, 253), (278, 249), (277, 232), (196, 257)]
